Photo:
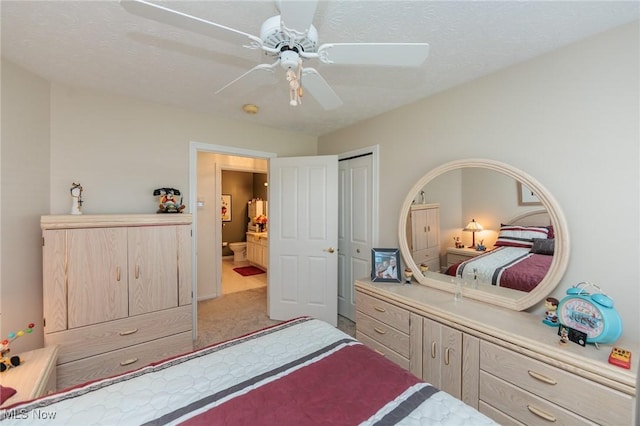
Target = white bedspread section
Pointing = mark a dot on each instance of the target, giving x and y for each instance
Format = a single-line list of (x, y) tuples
[(485, 265)]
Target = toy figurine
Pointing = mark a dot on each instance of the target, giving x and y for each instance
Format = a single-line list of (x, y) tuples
[(551, 316), (564, 336), (457, 242), (14, 361), (480, 246), (168, 201), (76, 194), (424, 268), (408, 273)]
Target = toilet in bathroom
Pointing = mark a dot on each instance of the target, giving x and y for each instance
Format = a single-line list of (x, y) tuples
[(239, 251)]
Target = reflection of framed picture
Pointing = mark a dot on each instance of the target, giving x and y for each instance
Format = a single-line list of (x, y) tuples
[(385, 265), (226, 208), (526, 197)]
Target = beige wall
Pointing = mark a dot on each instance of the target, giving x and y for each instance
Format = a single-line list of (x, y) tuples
[(24, 181), (569, 118), (121, 149)]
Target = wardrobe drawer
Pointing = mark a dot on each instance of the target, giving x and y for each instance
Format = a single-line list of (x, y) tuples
[(452, 259), (381, 332), (429, 256), (522, 405), (108, 336), (382, 311), (122, 360), (554, 384), (497, 415), (384, 351)]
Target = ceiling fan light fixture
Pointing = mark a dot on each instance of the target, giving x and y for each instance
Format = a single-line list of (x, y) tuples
[(289, 59), (290, 38), (250, 109)]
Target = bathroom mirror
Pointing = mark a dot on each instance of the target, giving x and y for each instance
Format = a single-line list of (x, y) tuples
[(492, 194)]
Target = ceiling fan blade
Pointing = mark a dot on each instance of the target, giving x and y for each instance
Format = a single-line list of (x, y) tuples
[(261, 67), (390, 54), (190, 23), (313, 82), (297, 15)]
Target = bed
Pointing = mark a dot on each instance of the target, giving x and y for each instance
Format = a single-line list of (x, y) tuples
[(521, 258), (300, 372)]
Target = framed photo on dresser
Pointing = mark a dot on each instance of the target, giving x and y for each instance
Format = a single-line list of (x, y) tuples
[(385, 265)]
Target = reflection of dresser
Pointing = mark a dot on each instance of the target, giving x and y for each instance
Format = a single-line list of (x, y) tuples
[(457, 255), (507, 364), (424, 230)]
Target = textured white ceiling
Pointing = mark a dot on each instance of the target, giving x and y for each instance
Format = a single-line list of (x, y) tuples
[(97, 44)]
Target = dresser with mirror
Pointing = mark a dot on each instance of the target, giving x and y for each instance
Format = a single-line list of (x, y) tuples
[(485, 348)]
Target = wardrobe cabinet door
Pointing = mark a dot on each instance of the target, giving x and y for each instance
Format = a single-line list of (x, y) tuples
[(97, 275), (185, 286), (54, 290), (451, 361), (153, 269), (442, 357)]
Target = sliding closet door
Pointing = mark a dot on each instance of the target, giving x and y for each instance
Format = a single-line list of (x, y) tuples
[(355, 228)]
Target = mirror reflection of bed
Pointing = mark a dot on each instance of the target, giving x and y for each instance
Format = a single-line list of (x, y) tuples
[(437, 213), (519, 258), (492, 200)]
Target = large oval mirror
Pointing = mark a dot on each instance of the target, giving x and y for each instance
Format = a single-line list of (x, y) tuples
[(486, 228)]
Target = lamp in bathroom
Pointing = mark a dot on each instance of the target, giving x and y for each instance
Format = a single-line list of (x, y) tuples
[(473, 227)]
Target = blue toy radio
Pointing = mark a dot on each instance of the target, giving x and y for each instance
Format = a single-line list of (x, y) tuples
[(589, 313)]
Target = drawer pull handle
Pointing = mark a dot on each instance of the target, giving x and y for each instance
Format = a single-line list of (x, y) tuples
[(128, 361), (379, 330), (433, 349), (137, 271), (542, 378), (379, 309), (542, 414), (380, 352), (446, 355), (118, 273), (128, 332)]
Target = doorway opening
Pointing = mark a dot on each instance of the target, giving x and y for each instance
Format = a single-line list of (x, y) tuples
[(207, 163), (244, 200)]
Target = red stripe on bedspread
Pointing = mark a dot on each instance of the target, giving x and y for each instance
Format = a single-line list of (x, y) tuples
[(345, 388)]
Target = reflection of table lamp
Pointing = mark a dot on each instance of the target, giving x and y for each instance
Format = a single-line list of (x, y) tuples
[(473, 227)]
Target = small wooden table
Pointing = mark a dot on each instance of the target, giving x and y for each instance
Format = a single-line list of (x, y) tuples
[(456, 255), (34, 377)]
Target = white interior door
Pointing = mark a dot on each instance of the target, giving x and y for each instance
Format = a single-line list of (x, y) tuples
[(355, 235), (303, 238)]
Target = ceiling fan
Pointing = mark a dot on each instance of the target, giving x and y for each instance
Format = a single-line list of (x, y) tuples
[(290, 38)]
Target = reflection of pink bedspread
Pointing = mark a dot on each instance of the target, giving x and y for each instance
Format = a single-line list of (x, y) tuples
[(510, 267)]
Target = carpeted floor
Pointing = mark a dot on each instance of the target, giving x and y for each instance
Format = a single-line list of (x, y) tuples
[(239, 313)]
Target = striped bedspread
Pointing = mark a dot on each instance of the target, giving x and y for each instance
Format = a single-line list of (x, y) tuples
[(510, 267), (301, 372)]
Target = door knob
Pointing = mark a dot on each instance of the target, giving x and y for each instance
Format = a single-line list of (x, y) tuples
[(330, 250)]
